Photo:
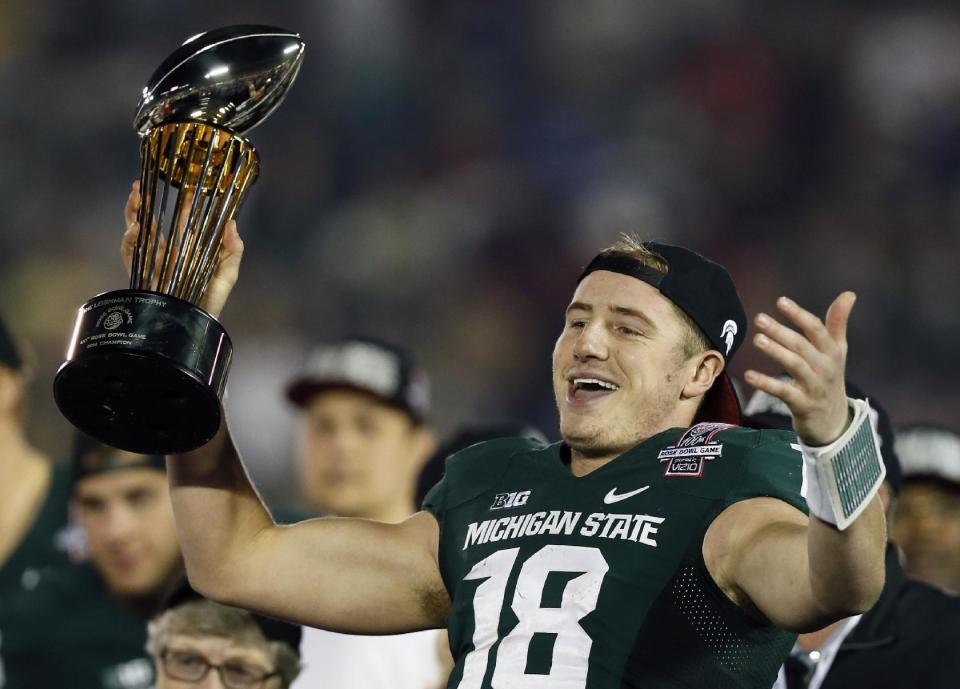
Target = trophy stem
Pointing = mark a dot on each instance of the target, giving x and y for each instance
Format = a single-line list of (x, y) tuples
[(212, 249), (190, 224), (210, 235), (194, 178), (142, 236), (201, 238), (178, 229), (149, 230), (170, 143), (229, 212)]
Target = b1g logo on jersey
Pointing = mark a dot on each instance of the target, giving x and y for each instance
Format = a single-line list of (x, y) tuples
[(690, 453), (504, 500)]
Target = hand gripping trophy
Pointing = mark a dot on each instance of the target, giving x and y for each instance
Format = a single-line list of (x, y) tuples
[(146, 367)]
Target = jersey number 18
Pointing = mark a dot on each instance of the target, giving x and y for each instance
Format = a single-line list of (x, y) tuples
[(572, 646)]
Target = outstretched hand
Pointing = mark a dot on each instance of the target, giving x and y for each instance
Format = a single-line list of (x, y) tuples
[(224, 276), (815, 358)]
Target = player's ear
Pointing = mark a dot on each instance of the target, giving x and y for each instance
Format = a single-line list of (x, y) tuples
[(703, 370)]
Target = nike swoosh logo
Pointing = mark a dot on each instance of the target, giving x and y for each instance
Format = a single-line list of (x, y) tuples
[(613, 497)]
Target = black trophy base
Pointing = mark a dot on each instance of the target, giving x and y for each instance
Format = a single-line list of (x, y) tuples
[(145, 372)]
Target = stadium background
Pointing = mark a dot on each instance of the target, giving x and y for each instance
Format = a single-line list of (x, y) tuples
[(441, 170)]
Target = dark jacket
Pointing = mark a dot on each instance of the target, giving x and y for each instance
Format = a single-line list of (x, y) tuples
[(909, 640)]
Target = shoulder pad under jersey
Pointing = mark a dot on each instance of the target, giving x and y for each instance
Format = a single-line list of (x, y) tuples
[(473, 470)]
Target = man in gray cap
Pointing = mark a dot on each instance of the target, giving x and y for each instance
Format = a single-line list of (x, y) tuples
[(928, 519), (363, 440), (363, 436)]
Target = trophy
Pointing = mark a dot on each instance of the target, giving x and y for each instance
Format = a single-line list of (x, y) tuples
[(146, 367)]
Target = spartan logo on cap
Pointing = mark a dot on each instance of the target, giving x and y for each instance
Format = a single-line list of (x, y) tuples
[(728, 333)]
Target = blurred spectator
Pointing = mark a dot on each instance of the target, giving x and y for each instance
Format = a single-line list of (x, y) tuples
[(928, 518), (363, 441), (33, 491), (909, 638), (83, 626), (195, 642)]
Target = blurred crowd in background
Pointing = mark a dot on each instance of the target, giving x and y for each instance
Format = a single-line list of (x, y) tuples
[(441, 170)]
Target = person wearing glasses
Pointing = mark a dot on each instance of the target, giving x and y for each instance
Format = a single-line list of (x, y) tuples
[(198, 643)]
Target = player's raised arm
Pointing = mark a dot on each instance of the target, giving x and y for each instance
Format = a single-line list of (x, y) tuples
[(796, 572), (347, 575)]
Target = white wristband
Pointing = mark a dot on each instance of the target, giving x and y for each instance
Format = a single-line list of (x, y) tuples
[(843, 477)]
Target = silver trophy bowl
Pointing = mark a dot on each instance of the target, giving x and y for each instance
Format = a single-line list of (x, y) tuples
[(232, 78)]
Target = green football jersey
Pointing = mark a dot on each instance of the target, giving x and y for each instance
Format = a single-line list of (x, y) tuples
[(599, 582), (66, 630), (44, 545)]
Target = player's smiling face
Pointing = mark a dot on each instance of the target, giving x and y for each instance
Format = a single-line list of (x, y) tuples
[(618, 368)]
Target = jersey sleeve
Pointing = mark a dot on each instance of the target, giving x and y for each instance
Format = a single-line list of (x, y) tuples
[(745, 463), (768, 464)]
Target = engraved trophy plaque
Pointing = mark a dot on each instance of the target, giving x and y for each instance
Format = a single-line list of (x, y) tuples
[(146, 366)]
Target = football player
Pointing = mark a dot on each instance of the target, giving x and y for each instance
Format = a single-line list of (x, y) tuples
[(657, 545)]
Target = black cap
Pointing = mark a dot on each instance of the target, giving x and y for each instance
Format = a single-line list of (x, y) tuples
[(929, 452), (763, 410), (705, 292), (91, 457), (368, 365), (271, 628), (9, 352)]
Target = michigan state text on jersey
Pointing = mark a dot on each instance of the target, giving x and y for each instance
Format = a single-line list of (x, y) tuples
[(599, 582)]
